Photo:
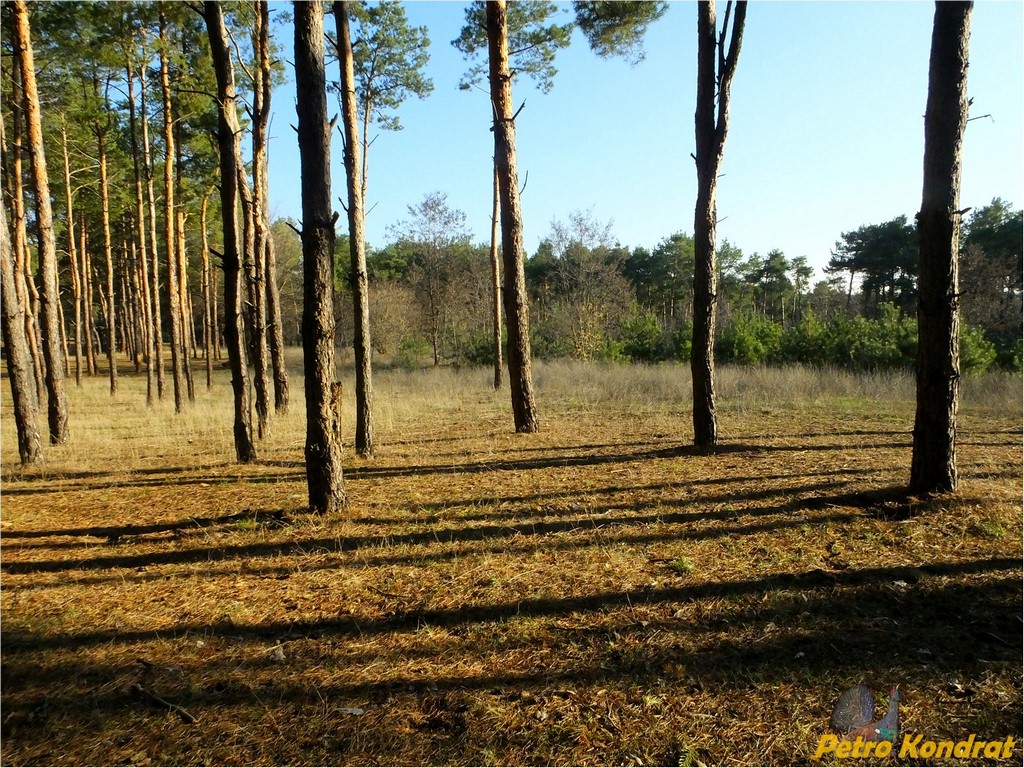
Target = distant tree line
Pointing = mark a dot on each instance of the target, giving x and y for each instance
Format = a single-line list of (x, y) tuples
[(592, 298)]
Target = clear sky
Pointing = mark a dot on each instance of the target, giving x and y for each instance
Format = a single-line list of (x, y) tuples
[(826, 131)]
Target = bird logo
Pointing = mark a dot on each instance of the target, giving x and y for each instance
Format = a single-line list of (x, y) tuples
[(855, 711)]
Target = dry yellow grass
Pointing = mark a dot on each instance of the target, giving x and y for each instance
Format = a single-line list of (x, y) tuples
[(597, 593)]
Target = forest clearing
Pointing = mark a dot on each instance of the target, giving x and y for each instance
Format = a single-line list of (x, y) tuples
[(598, 592)]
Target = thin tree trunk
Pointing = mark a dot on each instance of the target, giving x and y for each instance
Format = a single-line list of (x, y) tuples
[(19, 363), (72, 250), (229, 146), (140, 217), (257, 261), (713, 83), (22, 273), (57, 407), (496, 286), (517, 306), (169, 235), (108, 253), (275, 332), (207, 288), (324, 477), (157, 314), (357, 237), (933, 465), (185, 307)]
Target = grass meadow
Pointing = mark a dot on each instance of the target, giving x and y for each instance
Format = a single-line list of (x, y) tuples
[(596, 593)]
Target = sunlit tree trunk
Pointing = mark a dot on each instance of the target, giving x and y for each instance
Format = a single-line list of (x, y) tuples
[(169, 219), (184, 307), (207, 289), (496, 286), (230, 150), (19, 363), (108, 253), (148, 346), (157, 314), (933, 465), (716, 66), (49, 296), (22, 271), (354, 170), (324, 478), (517, 306), (274, 332)]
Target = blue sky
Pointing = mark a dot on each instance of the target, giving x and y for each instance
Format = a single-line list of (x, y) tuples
[(826, 130)]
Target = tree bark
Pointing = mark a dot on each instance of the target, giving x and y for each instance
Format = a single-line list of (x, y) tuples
[(158, 323), (108, 253), (517, 306), (496, 286), (357, 236), (22, 273), (716, 66), (229, 134), (169, 235), (57, 404), (184, 307), (257, 261), (275, 332), (207, 289), (148, 345), (19, 361), (933, 465), (323, 440)]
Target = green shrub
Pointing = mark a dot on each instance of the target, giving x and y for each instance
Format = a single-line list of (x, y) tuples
[(977, 354), (749, 341), (412, 350), (642, 338)]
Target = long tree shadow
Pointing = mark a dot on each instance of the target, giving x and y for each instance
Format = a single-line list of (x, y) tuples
[(590, 520)]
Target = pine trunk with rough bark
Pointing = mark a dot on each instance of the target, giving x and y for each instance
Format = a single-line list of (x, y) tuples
[(324, 477), (357, 236), (207, 290), (496, 286), (169, 218), (229, 147), (154, 302), (69, 201), (517, 305), (148, 346), (49, 296), (108, 253), (185, 307), (257, 262), (274, 330), (19, 361), (716, 66), (933, 464)]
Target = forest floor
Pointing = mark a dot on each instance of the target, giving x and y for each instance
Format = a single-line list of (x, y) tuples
[(596, 593)]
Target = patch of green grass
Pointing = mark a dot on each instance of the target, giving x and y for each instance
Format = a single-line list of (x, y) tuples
[(990, 529), (682, 566)]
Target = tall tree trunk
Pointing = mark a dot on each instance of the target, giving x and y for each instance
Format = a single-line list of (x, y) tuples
[(72, 250), (517, 305), (496, 286), (933, 466), (207, 289), (323, 439), (57, 407), (149, 349), (108, 253), (357, 236), (229, 146), (158, 323), (184, 306), (169, 235), (275, 329), (716, 66), (19, 363), (87, 297), (256, 262), (22, 272)]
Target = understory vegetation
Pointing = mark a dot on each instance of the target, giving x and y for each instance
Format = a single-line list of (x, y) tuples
[(595, 593)]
